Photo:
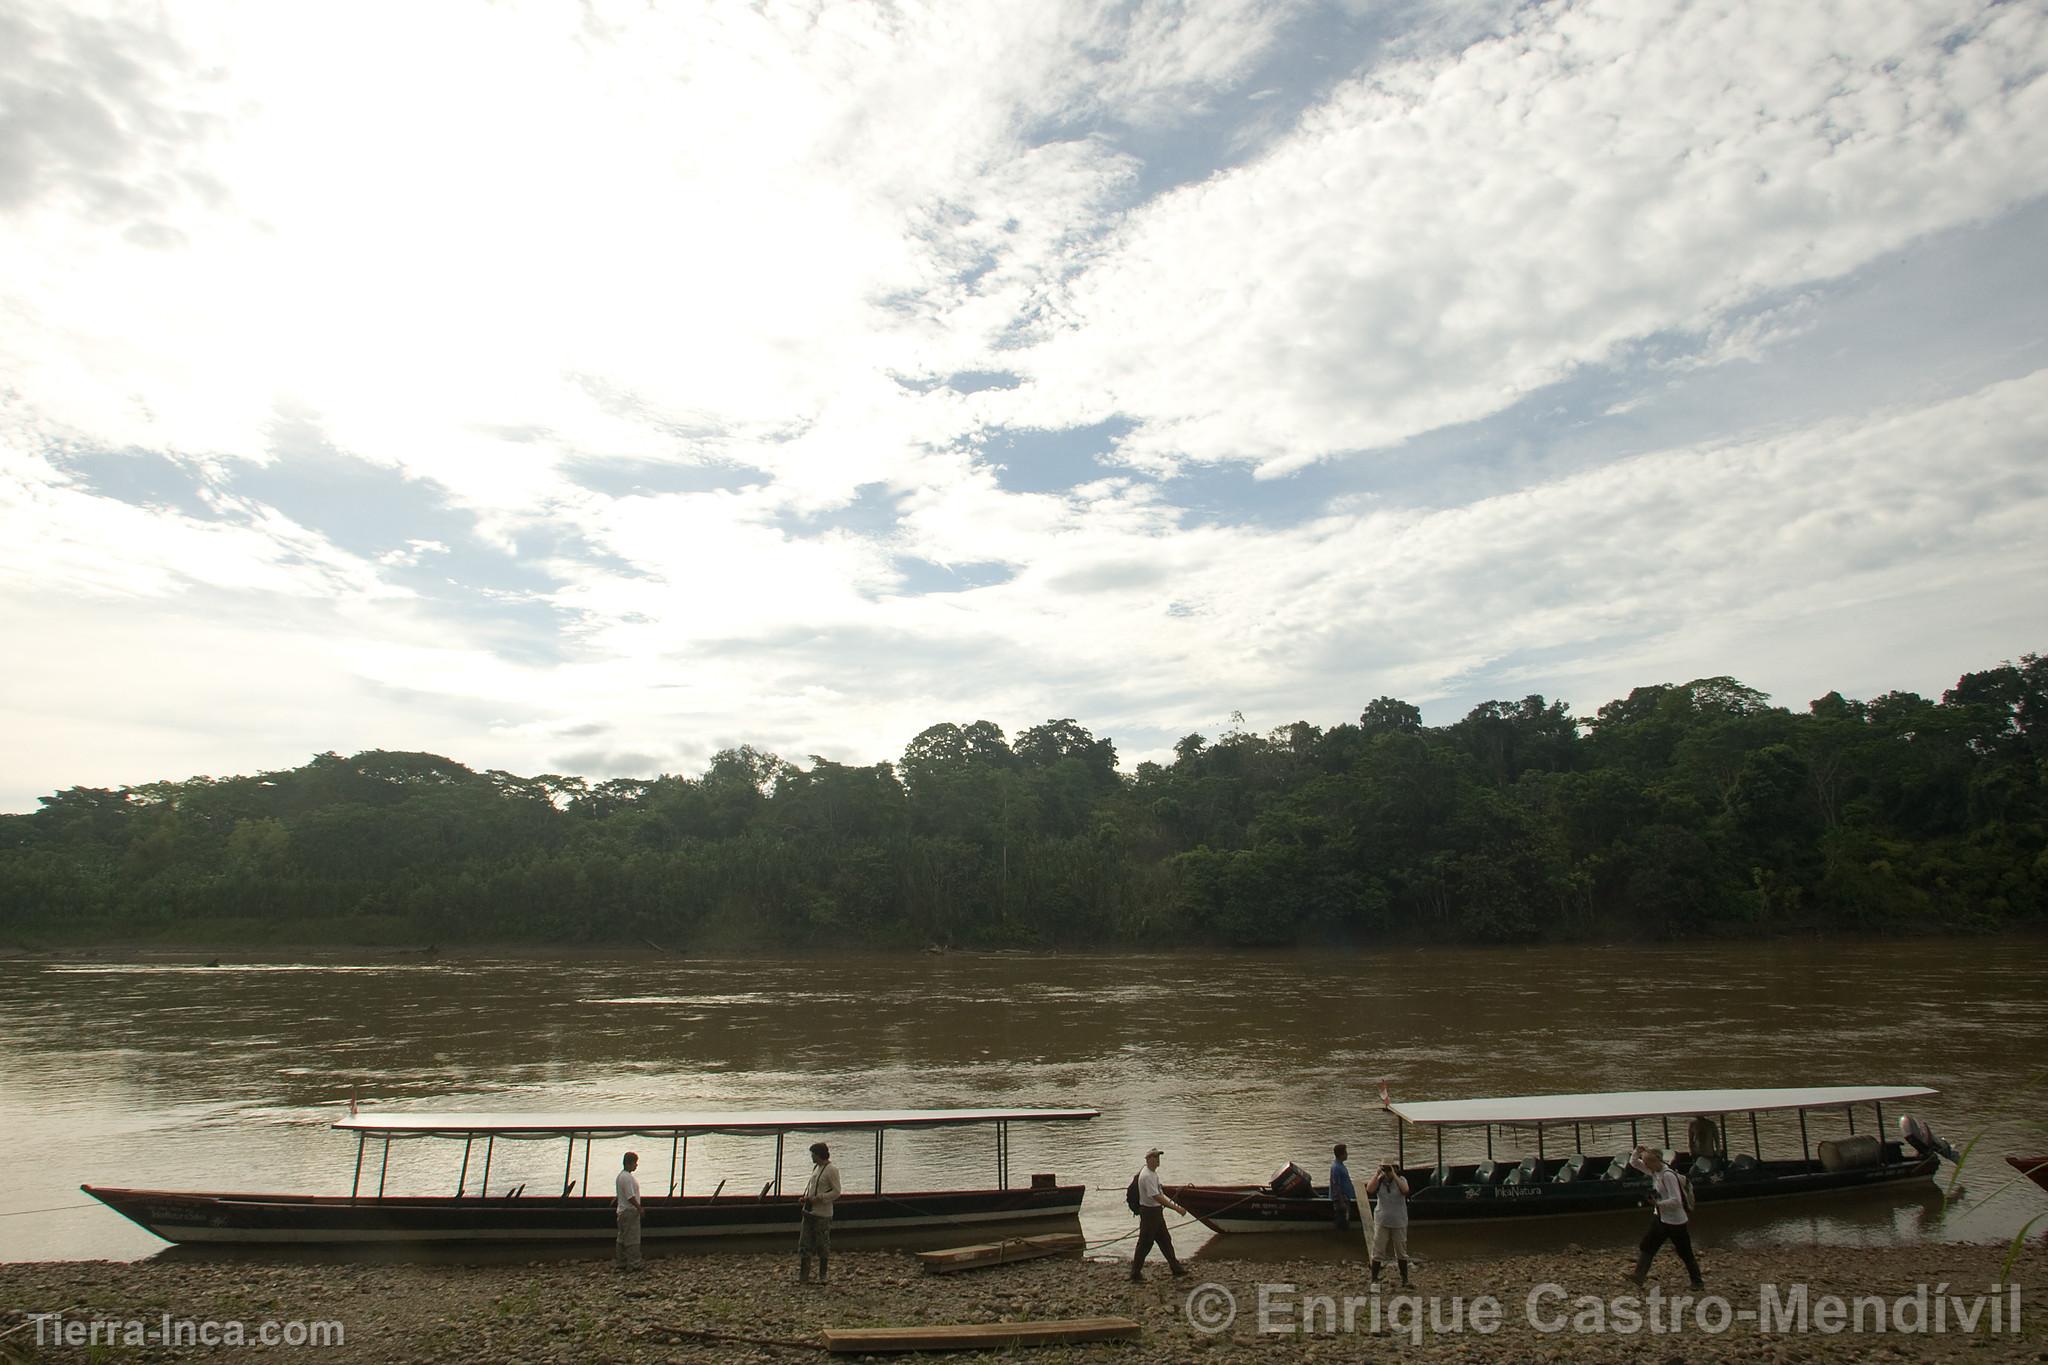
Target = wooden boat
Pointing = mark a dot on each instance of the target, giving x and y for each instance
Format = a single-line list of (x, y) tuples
[(486, 1215), (1560, 1176), (2034, 1168)]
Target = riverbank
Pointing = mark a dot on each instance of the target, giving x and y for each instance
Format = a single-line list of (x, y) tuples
[(1547, 1307), (269, 945)]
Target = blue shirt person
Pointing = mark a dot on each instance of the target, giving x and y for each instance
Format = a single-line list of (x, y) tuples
[(1342, 1194)]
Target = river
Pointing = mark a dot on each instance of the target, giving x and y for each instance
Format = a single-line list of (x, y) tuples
[(166, 1073)]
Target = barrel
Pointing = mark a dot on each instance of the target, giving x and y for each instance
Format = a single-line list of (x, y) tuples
[(1850, 1153)]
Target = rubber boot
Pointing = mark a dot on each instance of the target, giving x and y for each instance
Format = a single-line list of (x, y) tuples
[(1404, 1273), (1376, 1268)]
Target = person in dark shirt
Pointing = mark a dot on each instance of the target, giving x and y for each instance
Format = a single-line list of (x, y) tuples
[(1342, 1194)]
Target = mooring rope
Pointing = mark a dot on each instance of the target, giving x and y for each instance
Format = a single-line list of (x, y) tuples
[(55, 1208)]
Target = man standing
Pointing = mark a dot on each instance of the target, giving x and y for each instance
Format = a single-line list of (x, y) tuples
[(1670, 1223), (1152, 1205), (626, 1252), (815, 1238), (1342, 1193), (1389, 1219)]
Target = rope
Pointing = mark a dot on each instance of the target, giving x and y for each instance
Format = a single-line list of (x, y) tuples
[(1189, 1221), (56, 1208)]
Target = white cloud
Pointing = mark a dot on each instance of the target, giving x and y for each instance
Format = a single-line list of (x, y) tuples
[(1443, 237), (763, 236)]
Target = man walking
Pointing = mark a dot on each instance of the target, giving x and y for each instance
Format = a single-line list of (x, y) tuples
[(815, 1237), (1152, 1205), (1342, 1193), (1670, 1222), (626, 1206), (1388, 1190)]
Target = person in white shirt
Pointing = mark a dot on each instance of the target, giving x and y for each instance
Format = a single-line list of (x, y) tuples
[(820, 1192), (626, 1205), (1152, 1205), (1388, 1190), (1670, 1222)]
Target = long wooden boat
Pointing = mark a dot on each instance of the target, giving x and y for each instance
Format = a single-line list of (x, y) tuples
[(1560, 1176), (363, 1216), (2034, 1168)]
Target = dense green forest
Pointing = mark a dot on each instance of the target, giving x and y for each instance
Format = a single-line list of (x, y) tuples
[(1688, 810)]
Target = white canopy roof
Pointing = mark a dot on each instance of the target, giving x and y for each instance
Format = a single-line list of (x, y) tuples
[(1647, 1104), (397, 1123)]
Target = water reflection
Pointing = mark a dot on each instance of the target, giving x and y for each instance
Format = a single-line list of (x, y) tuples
[(175, 1074)]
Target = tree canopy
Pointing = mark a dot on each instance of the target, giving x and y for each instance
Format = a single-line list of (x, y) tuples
[(1679, 810)]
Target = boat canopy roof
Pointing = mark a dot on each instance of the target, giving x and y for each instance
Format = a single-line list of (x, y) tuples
[(399, 1124), (1646, 1104)]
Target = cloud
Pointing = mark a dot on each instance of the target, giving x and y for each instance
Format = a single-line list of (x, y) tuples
[(801, 375), (1442, 237)]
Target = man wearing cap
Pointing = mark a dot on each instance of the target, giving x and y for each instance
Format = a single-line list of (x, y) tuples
[(816, 1234), (1152, 1218)]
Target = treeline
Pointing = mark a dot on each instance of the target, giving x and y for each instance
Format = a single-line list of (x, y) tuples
[(1696, 809)]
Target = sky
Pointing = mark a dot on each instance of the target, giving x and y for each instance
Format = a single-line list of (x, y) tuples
[(589, 389)]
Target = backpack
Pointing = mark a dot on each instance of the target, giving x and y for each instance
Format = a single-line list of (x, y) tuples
[(1685, 1189), (1131, 1195)]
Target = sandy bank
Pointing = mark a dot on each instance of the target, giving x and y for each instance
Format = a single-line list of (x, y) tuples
[(584, 1311)]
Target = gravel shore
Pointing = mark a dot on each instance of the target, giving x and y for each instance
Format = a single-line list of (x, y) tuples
[(584, 1311)]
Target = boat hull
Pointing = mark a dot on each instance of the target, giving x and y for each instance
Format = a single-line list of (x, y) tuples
[(313, 1220), (1252, 1208), (2034, 1168)]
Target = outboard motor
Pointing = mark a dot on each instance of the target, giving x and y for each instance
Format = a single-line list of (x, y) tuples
[(1923, 1139)]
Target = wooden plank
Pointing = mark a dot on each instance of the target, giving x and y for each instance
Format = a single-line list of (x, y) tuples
[(977, 1336), (1001, 1253)]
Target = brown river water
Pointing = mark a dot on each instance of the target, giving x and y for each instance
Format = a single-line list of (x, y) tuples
[(165, 1073)]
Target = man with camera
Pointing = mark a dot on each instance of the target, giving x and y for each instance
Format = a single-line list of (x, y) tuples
[(1388, 1189)]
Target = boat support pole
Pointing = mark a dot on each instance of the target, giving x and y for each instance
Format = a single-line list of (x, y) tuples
[(385, 1170), (1002, 1156), (674, 1143), (1880, 1128), (878, 1161), (356, 1187), (1633, 1141), (586, 1161), (1667, 1130), (683, 1171), (778, 1161), (568, 1158), (1539, 1142), (1401, 1143), (1439, 1147), (1578, 1140), (1489, 1142), (1804, 1146), (1850, 1110), (1756, 1139), (462, 1181), (490, 1146)]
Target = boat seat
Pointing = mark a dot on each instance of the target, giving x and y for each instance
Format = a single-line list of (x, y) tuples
[(1440, 1176), (1705, 1168), (1524, 1174), (1574, 1168), (1746, 1164), (1487, 1172), (1619, 1169)]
